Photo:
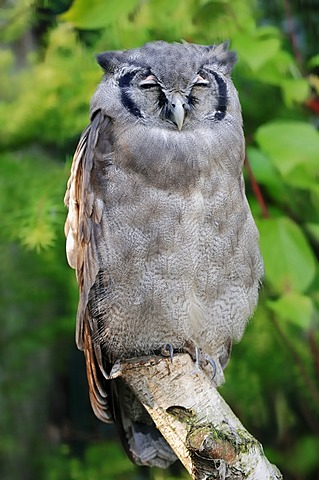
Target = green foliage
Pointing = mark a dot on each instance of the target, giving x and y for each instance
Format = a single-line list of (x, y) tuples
[(286, 254), (115, 466), (53, 94), (15, 19), (63, 465), (33, 214), (48, 77), (97, 14), (294, 307), (292, 148)]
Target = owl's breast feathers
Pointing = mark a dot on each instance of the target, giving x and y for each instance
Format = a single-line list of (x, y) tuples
[(180, 160), (155, 221)]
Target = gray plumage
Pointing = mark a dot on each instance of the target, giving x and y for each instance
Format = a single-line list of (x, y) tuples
[(159, 229)]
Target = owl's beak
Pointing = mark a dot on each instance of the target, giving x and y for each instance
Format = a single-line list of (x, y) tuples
[(177, 111)]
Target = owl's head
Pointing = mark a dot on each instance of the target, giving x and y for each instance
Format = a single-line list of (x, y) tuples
[(171, 86)]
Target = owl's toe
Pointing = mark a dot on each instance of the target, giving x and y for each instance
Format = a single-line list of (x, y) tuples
[(168, 351), (209, 360), (191, 348), (201, 359)]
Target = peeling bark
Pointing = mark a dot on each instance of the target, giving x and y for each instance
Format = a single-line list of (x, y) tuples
[(195, 420)]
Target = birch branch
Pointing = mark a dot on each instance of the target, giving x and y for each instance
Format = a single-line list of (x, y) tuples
[(205, 434)]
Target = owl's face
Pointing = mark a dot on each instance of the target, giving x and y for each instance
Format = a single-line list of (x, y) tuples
[(169, 86)]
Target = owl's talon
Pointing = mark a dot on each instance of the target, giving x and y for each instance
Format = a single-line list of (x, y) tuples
[(196, 358), (168, 351), (200, 358), (192, 350), (210, 361)]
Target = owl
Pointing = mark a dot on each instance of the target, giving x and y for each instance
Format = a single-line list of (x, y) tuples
[(159, 230)]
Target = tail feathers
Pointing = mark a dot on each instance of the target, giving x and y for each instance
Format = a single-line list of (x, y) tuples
[(148, 447), (142, 441)]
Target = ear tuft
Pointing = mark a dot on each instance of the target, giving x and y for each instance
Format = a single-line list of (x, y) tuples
[(220, 56), (109, 61)]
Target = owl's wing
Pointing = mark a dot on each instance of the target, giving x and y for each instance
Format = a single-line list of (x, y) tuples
[(82, 227)]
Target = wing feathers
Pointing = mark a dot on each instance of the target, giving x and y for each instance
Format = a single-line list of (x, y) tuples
[(82, 220), (82, 224), (98, 395)]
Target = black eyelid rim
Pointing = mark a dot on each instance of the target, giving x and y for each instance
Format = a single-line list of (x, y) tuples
[(149, 86), (204, 85)]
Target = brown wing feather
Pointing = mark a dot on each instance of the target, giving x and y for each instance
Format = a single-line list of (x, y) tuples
[(82, 223)]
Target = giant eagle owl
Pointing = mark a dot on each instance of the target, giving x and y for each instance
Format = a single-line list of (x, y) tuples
[(159, 230)]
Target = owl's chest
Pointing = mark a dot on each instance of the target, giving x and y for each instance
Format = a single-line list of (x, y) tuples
[(172, 208), (161, 182), (169, 198), (174, 161)]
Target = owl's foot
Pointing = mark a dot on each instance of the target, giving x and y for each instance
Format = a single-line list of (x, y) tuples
[(201, 359), (210, 361), (168, 351)]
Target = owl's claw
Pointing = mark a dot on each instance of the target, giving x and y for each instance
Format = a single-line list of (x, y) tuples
[(210, 361), (197, 358), (200, 358), (168, 351), (204, 359)]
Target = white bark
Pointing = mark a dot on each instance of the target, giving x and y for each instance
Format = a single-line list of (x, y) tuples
[(195, 420)]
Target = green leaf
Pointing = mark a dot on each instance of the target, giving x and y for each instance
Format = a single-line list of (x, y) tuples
[(97, 13), (304, 176), (294, 307), (255, 51), (294, 90), (264, 172), (314, 61), (313, 229), (268, 31), (291, 144), (204, 2), (289, 260), (276, 69)]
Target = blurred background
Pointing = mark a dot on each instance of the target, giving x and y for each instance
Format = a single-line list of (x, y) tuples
[(48, 75)]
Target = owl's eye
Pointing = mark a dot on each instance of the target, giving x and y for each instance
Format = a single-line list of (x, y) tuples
[(200, 81), (149, 82)]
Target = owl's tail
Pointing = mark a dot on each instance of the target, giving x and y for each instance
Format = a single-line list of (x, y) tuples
[(141, 440)]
